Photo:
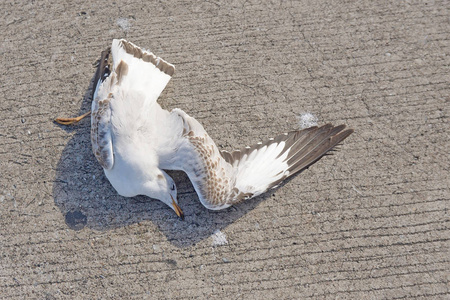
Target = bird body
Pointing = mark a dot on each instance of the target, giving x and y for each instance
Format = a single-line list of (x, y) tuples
[(134, 139)]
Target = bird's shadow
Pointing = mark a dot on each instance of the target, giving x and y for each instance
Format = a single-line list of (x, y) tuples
[(86, 199)]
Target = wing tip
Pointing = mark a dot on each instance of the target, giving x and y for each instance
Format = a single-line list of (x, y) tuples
[(103, 70), (326, 139)]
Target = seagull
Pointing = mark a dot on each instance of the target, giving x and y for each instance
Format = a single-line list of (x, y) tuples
[(135, 140)]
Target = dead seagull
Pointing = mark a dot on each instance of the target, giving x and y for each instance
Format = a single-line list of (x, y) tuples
[(134, 139)]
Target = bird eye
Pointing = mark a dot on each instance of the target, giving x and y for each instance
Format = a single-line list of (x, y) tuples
[(173, 187)]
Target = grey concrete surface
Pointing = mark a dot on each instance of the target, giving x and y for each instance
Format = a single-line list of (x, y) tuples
[(370, 222)]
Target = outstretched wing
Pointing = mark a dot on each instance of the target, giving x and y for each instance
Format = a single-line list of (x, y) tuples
[(123, 67), (223, 178)]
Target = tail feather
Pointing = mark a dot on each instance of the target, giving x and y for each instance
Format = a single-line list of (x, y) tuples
[(146, 72)]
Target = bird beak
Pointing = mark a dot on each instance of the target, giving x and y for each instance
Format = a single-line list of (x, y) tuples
[(177, 209)]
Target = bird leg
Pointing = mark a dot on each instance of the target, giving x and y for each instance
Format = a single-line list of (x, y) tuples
[(70, 121)]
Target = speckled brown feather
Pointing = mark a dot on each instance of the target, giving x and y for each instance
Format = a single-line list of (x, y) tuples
[(99, 133), (100, 118), (215, 183)]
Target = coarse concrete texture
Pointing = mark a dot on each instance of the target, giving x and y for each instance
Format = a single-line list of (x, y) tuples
[(369, 222)]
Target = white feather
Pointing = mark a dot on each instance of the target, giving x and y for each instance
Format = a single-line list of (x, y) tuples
[(262, 167)]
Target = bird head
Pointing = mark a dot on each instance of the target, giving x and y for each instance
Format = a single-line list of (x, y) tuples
[(164, 189)]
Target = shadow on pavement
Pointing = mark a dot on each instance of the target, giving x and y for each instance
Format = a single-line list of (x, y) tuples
[(86, 198)]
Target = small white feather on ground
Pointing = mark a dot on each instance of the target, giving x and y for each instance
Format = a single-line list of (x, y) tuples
[(306, 120), (219, 238), (124, 23)]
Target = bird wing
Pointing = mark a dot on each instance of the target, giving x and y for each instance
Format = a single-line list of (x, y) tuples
[(223, 178), (265, 165), (122, 67)]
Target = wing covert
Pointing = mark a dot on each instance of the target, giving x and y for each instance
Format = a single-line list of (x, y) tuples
[(101, 132)]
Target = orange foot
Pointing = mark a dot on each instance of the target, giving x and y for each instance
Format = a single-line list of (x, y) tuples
[(70, 121)]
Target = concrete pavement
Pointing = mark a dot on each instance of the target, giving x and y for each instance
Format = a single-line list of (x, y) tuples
[(370, 222)]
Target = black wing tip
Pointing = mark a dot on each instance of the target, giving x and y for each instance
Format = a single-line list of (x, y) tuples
[(317, 144), (338, 132), (343, 134)]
